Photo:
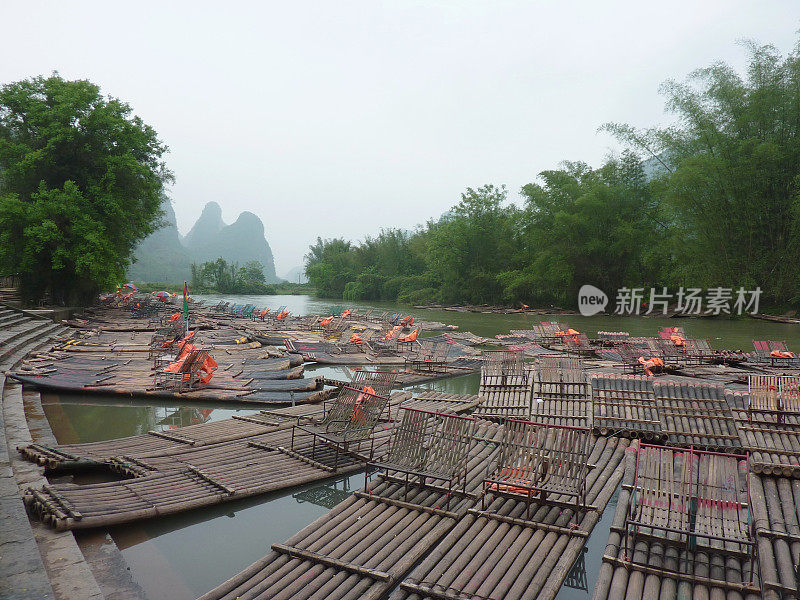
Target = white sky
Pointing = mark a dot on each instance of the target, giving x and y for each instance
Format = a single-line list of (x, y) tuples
[(339, 118)]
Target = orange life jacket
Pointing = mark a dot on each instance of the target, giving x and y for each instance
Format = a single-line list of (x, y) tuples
[(176, 366), (358, 410), (208, 367), (411, 337), (391, 334), (651, 362)]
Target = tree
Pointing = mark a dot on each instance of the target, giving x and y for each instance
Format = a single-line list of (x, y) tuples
[(587, 226), (730, 173), (81, 180), (471, 244)]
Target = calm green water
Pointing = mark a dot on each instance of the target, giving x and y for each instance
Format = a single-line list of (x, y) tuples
[(183, 556)]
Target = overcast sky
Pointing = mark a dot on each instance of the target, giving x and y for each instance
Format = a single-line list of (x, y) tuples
[(339, 118)]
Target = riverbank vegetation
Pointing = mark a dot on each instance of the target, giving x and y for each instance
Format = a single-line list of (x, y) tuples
[(221, 277), (713, 200), (81, 181), (270, 289)]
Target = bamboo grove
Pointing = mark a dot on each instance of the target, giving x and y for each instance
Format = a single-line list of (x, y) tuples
[(712, 200)]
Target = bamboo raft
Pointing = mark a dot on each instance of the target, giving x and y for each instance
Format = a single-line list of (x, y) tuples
[(668, 561), (183, 481), (625, 405), (505, 386), (247, 373), (777, 524), (537, 551), (696, 414), (772, 438), (561, 392), (210, 463), (366, 545)]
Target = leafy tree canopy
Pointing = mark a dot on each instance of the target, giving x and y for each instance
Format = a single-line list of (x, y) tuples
[(730, 173), (81, 180), (720, 207)]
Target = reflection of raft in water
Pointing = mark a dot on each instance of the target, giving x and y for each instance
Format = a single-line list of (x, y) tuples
[(195, 466)]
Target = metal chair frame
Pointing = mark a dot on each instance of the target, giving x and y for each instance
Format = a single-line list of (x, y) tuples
[(659, 487), (540, 459), (430, 445), (351, 419), (777, 395), (187, 377)]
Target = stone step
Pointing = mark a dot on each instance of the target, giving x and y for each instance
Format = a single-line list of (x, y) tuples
[(22, 572), (9, 336), (12, 319), (20, 345)]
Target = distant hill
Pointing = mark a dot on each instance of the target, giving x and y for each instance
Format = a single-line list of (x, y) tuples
[(164, 256), (161, 256), (296, 275), (206, 228)]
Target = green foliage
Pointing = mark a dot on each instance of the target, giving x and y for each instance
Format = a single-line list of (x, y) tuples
[(729, 182), (720, 206), (220, 277), (579, 226), (81, 181)]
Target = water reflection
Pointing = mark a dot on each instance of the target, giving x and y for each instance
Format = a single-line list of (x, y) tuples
[(326, 496), (586, 568), (78, 418), (576, 577), (185, 555), (174, 418), (463, 384)]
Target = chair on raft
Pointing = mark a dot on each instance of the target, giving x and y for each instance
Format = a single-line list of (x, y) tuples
[(698, 351), (431, 356), (774, 352), (430, 445), (578, 344), (695, 501), (406, 343), (170, 350), (350, 420), (165, 337), (773, 396), (543, 463), (185, 373)]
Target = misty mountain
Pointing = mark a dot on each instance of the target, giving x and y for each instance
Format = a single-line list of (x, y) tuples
[(161, 256), (164, 256), (207, 226)]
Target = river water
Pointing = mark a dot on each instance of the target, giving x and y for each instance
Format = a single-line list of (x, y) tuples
[(183, 556)]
